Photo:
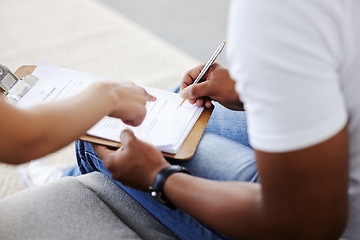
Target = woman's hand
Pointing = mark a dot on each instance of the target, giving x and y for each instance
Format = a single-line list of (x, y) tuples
[(129, 101)]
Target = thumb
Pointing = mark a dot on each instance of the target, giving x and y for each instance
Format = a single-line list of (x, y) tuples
[(126, 137), (194, 91)]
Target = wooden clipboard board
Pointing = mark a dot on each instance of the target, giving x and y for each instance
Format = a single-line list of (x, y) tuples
[(185, 152)]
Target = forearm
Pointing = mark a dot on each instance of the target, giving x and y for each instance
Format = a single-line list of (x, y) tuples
[(233, 208), (46, 128), (240, 210)]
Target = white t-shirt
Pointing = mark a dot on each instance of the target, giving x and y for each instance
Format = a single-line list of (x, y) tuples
[(297, 67)]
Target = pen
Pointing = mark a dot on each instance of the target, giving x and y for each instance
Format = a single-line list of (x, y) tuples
[(208, 65)]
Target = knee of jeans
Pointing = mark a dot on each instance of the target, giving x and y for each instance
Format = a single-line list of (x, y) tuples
[(83, 163), (87, 159), (176, 88), (79, 145)]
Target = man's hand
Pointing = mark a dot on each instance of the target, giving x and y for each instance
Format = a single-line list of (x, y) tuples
[(135, 164), (217, 85)]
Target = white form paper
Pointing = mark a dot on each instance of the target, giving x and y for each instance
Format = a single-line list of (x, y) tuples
[(166, 126)]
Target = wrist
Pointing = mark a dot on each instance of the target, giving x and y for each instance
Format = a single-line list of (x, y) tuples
[(156, 190), (106, 91)]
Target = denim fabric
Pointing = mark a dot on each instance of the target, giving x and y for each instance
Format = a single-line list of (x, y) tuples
[(208, 162), (71, 171), (223, 154)]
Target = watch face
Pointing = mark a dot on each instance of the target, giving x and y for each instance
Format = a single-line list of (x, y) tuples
[(159, 197), (156, 190)]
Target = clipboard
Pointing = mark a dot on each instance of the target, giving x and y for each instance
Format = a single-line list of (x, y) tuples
[(185, 152)]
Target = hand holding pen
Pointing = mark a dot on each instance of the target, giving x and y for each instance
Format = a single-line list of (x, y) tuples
[(216, 84), (208, 65)]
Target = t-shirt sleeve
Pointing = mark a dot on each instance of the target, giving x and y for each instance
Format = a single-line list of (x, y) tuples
[(285, 56)]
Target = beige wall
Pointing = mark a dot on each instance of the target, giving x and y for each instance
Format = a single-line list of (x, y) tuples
[(88, 36)]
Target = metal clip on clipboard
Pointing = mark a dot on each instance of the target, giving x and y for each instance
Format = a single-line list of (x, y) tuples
[(12, 89)]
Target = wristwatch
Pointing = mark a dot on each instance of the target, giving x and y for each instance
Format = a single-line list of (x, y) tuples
[(156, 190)]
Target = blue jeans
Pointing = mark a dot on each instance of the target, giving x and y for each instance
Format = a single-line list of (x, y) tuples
[(223, 154)]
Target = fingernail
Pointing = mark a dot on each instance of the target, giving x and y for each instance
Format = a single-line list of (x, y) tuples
[(150, 98), (184, 93)]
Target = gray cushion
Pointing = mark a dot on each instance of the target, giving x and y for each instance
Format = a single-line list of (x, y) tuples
[(87, 207)]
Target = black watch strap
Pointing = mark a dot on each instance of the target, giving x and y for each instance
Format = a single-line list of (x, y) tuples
[(156, 190)]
